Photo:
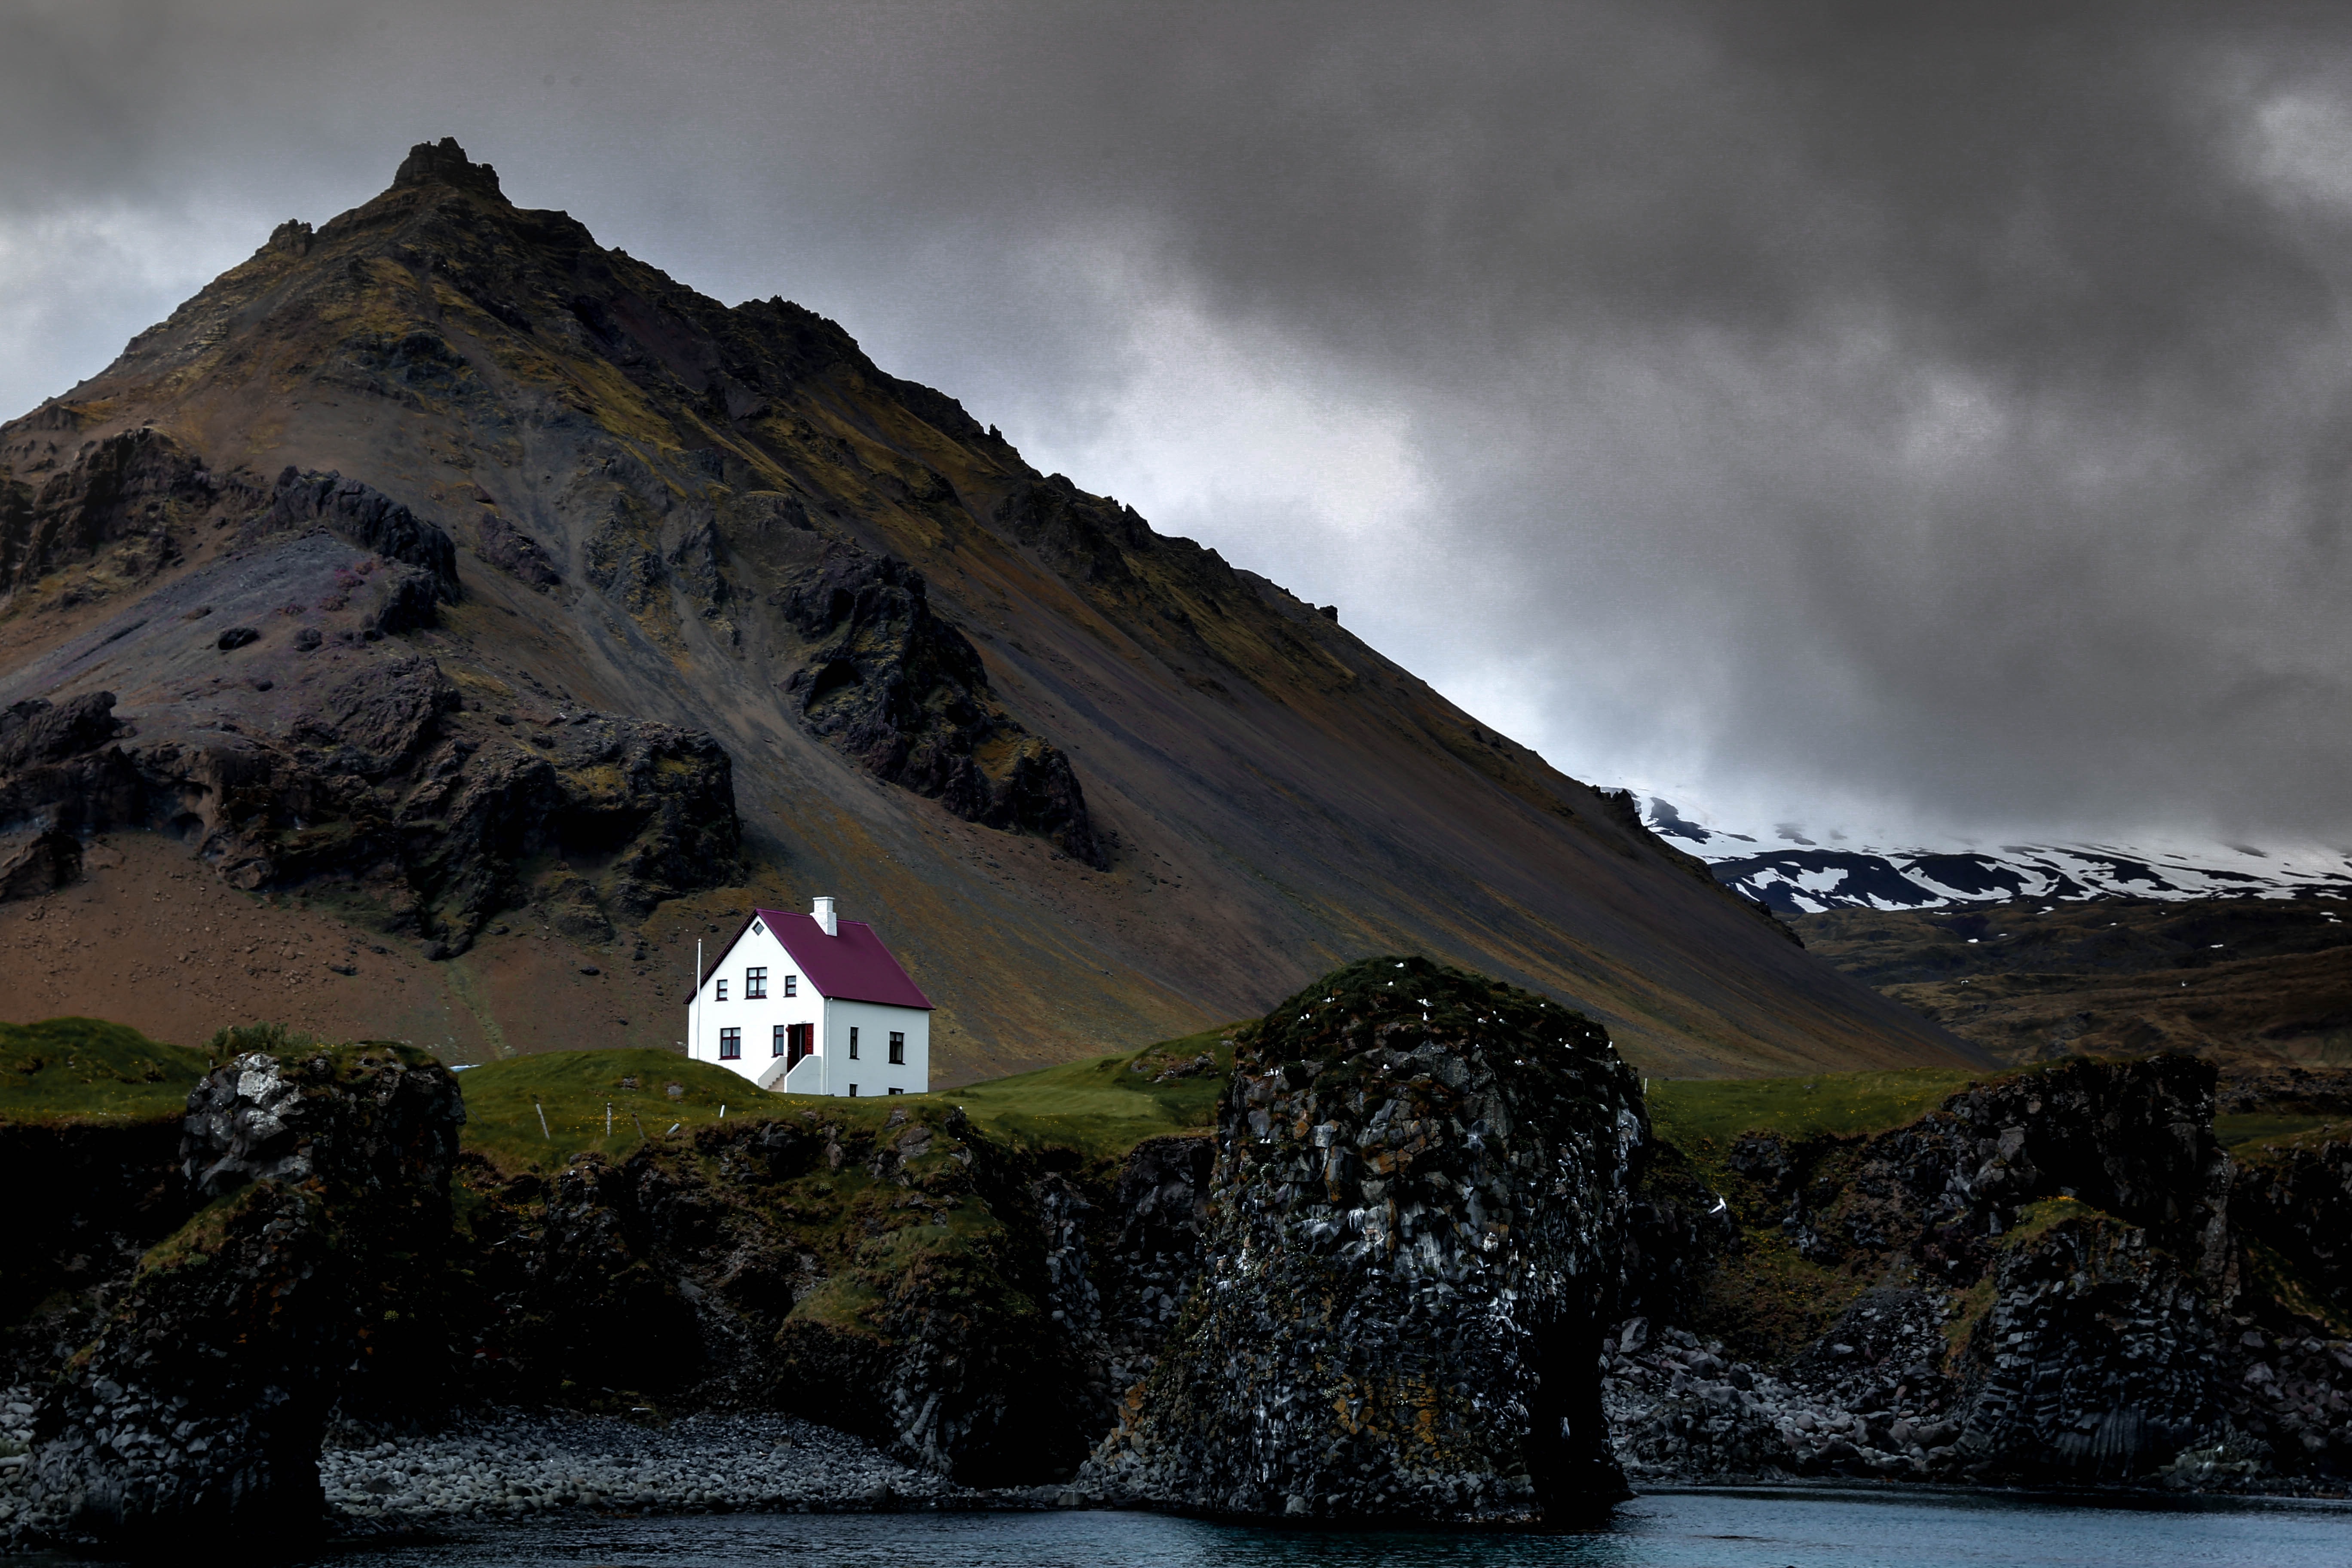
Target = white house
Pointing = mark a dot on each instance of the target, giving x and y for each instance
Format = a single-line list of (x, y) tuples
[(813, 1004)]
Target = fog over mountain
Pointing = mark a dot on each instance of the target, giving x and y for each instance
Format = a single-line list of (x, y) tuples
[(1931, 415)]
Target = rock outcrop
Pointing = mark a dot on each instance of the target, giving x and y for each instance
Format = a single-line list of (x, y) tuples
[(2097, 1360), (2070, 1283), (366, 771), (202, 1402), (1416, 1232), (121, 508), (1147, 1235), (366, 517), (2296, 1201), (61, 775), (905, 694), (2133, 1139)]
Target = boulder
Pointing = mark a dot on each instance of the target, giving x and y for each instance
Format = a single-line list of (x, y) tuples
[(202, 1402), (1416, 1231)]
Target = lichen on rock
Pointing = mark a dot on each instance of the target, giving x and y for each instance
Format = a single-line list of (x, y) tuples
[(1416, 1227)]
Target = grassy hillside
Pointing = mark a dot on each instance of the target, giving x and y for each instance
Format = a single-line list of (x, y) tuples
[(86, 1070), (2242, 982)]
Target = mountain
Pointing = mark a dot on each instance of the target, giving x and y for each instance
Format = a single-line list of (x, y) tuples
[(1789, 870), (442, 622), (2036, 951)]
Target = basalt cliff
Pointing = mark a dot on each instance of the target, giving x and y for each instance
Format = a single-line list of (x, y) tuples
[(486, 615), (1433, 1263)]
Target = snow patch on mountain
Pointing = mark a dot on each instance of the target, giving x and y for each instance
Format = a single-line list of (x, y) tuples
[(1795, 871)]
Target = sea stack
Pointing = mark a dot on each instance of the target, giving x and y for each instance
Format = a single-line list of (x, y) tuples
[(1417, 1219)]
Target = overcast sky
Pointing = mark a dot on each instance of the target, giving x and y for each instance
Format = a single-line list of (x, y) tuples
[(1935, 417)]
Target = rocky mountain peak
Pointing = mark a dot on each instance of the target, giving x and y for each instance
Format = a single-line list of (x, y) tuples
[(444, 163), (622, 552)]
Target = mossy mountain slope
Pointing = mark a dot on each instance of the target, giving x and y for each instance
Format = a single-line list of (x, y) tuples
[(1097, 785)]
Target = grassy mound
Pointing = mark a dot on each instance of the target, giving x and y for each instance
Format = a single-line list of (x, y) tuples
[(86, 1071), (1105, 1106)]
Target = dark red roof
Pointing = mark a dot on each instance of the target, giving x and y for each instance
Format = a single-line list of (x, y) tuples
[(852, 967)]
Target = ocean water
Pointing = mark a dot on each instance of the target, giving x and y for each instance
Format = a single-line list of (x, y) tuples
[(1712, 1529)]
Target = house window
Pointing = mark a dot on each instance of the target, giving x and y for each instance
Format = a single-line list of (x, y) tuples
[(897, 1048), (730, 1045), (853, 1042), (722, 992), (755, 985), (791, 984), (780, 1042), (898, 1091), (757, 928)]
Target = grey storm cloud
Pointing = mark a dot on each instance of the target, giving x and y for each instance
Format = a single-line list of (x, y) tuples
[(1933, 412)]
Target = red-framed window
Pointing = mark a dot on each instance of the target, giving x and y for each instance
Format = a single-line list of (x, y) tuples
[(730, 1045), (897, 1048), (755, 985), (791, 984), (778, 1044)]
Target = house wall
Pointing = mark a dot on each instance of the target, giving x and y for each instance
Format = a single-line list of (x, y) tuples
[(758, 1020), (872, 1071)]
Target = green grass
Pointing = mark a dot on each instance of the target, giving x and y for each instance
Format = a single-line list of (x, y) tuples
[(1704, 1114), (1100, 1108), (85, 1070), (2237, 1128), (1103, 1106), (504, 1099)]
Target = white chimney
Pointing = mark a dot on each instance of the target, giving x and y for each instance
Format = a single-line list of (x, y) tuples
[(822, 909)]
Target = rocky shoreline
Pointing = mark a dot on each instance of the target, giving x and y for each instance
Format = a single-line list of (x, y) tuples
[(1682, 1417), (513, 1464)]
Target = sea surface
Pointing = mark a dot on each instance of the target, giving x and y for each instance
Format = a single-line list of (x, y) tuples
[(1700, 1528)]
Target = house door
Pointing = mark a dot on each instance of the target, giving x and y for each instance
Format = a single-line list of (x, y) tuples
[(799, 1041)]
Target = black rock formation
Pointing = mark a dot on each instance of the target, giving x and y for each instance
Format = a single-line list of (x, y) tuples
[(136, 496), (905, 694), (372, 778), (2133, 1139), (200, 1404), (1417, 1230), (2097, 1361), (366, 517)]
